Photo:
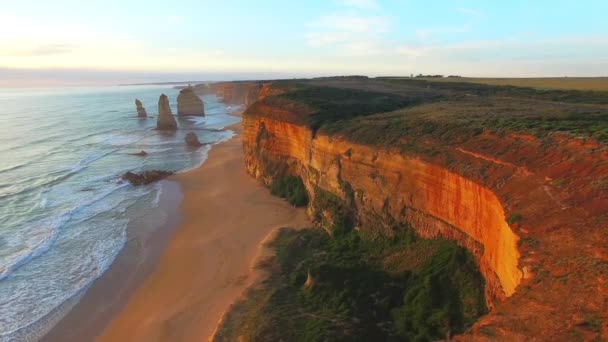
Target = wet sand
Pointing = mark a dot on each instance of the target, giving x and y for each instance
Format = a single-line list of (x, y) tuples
[(208, 263), (147, 237)]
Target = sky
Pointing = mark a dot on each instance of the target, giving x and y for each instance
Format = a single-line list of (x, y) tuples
[(69, 42)]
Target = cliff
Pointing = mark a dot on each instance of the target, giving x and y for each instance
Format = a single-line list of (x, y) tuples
[(188, 103), (530, 208), (165, 120)]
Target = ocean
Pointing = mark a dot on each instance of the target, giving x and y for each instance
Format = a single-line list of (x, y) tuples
[(64, 210)]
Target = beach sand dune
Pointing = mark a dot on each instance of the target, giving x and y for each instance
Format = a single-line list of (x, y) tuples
[(209, 261)]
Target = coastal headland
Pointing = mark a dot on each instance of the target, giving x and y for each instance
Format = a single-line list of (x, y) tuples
[(514, 175)]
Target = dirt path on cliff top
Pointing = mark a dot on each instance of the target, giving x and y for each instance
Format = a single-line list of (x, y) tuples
[(208, 263)]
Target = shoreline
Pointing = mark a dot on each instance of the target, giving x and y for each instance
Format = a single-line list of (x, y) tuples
[(220, 226), (106, 296)]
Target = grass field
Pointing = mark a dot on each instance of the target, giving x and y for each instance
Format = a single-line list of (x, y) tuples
[(562, 83)]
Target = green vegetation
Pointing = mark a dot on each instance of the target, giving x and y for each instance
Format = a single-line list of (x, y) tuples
[(332, 212), (478, 89), (564, 83), (456, 120), (291, 188), (560, 182), (388, 111), (334, 104), (398, 288), (514, 218)]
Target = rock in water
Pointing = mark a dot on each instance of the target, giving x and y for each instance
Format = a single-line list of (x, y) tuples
[(165, 120), (141, 153), (146, 177), (192, 140), (141, 111), (188, 103)]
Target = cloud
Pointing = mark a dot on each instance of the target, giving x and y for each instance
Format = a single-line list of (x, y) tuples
[(519, 51), (435, 32), (349, 33), (348, 22), (41, 50), (473, 13), (360, 4)]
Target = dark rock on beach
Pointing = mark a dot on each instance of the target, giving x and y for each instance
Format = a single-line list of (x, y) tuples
[(165, 120), (146, 177), (192, 140), (188, 103)]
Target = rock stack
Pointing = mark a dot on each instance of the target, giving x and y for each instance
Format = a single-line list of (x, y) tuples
[(192, 140), (165, 120), (141, 111), (188, 103)]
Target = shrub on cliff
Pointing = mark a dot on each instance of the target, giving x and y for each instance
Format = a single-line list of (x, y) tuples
[(291, 188), (366, 290)]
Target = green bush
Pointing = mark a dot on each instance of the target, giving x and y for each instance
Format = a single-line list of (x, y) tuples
[(514, 218), (291, 188), (355, 296)]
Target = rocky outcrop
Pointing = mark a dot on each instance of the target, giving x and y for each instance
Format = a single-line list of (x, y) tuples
[(146, 177), (192, 140), (141, 153), (165, 120), (533, 267), (141, 111), (188, 103)]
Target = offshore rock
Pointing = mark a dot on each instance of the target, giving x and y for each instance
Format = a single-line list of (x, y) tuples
[(146, 177), (165, 120), (141, 153), (192, 140), (188, 103), (141, 111)]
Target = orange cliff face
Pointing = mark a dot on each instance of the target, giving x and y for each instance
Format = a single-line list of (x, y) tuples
[(436, 202), (530, 267)]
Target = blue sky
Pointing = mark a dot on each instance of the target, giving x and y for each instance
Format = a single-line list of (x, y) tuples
[(68, 41)]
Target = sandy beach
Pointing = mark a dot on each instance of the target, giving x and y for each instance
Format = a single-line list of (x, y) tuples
[(208, 263)]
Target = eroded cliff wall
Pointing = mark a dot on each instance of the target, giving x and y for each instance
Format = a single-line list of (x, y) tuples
[(393, 187), (546, 272)]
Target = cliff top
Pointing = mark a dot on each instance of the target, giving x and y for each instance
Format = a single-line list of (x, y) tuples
[(382, 111)]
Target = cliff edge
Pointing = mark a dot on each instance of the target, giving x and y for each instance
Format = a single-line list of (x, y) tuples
[(517, 178)]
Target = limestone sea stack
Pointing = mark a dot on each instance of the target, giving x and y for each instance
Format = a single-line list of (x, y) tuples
[(188, 103), (141, 111), (192, 140), (165, 120)]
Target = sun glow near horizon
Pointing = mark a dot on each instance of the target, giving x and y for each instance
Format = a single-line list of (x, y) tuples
[(336, 37)]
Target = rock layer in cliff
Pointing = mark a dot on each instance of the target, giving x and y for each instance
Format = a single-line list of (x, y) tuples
[(188, 103), (165, 120)]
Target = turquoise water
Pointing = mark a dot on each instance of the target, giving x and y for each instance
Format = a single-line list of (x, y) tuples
[(63, 209)]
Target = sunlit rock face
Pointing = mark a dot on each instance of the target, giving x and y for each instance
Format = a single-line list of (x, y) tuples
[(165, 120), (188, 103), (436, 202)]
